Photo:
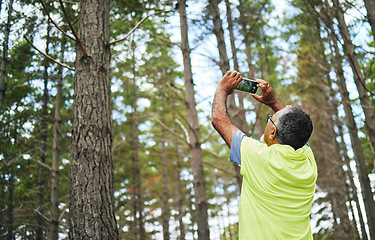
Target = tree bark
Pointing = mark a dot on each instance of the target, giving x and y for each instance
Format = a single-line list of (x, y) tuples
[(231, 35), (219, 33), (194, 135), (92, 214), (43, 146), (4, 56), (54, 224), (370, 7)]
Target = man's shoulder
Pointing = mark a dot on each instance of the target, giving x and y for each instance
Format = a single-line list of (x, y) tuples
[(256, 144)]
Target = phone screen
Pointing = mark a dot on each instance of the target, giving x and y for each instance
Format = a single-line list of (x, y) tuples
[(247, 85)]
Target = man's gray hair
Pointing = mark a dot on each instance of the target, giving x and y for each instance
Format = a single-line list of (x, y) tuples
[(294, 127)]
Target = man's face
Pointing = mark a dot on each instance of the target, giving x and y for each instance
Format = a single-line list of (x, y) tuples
[(270, 133)]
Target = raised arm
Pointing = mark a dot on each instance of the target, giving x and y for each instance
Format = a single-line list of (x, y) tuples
[(220, 119), (268, 97)]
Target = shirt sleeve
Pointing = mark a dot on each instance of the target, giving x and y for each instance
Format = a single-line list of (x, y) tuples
[(235, 149)]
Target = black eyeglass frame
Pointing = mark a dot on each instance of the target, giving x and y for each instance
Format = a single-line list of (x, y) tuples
[(269, 118)]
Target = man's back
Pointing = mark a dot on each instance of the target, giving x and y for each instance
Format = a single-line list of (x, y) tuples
[(277, 191)]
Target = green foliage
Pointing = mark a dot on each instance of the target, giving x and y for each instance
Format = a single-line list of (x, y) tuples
[(147, 82)]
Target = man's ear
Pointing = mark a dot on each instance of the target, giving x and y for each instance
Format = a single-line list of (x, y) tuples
[(273, 133)]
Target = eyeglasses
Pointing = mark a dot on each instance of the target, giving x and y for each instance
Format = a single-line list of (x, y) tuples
[(269, 118)]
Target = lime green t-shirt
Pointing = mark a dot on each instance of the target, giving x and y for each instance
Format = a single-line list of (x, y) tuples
[(277, 191)]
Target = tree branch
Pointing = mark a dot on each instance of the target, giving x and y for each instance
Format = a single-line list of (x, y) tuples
[(49, 57), (174, 89), (219, 168), (134, 28), (43, 216), (72, 29), (63, 211), (163, 39), (170, 130), (53, 22), (184, 129)]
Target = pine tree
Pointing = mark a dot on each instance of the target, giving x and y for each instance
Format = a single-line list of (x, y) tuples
[(4, 55), (91, 197), (201, 203)]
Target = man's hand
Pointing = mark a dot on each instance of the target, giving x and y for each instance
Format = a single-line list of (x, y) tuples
[(268, 96), (230, 81)]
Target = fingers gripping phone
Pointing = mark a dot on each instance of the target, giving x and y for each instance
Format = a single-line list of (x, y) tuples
[(247, 85)]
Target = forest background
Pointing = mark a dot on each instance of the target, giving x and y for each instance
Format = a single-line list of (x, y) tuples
[(150, 165)]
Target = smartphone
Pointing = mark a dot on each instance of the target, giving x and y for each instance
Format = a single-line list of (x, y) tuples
[(247, 85)]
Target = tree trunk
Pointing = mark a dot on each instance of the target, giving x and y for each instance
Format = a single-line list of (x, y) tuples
[(239, 117), (343, 153), (331, 174), (7, 226), (258, 129), (179, 196), (345, 228), (353, 132), (334, 180), (10, 233), (180, 200), (236, 114), (258, 126), (219, 33), (359, 79), (2, 202), (194, 135), (231, 35), (352, 184), (194, 218), (4, 56), (43, 146), (54, 224), (370, 7), (318, 103), (138, 204), (92, 214), (369, 115), (165, 195)]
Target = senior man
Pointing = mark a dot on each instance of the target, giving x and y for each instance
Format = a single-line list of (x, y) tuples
[(279, 173)]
